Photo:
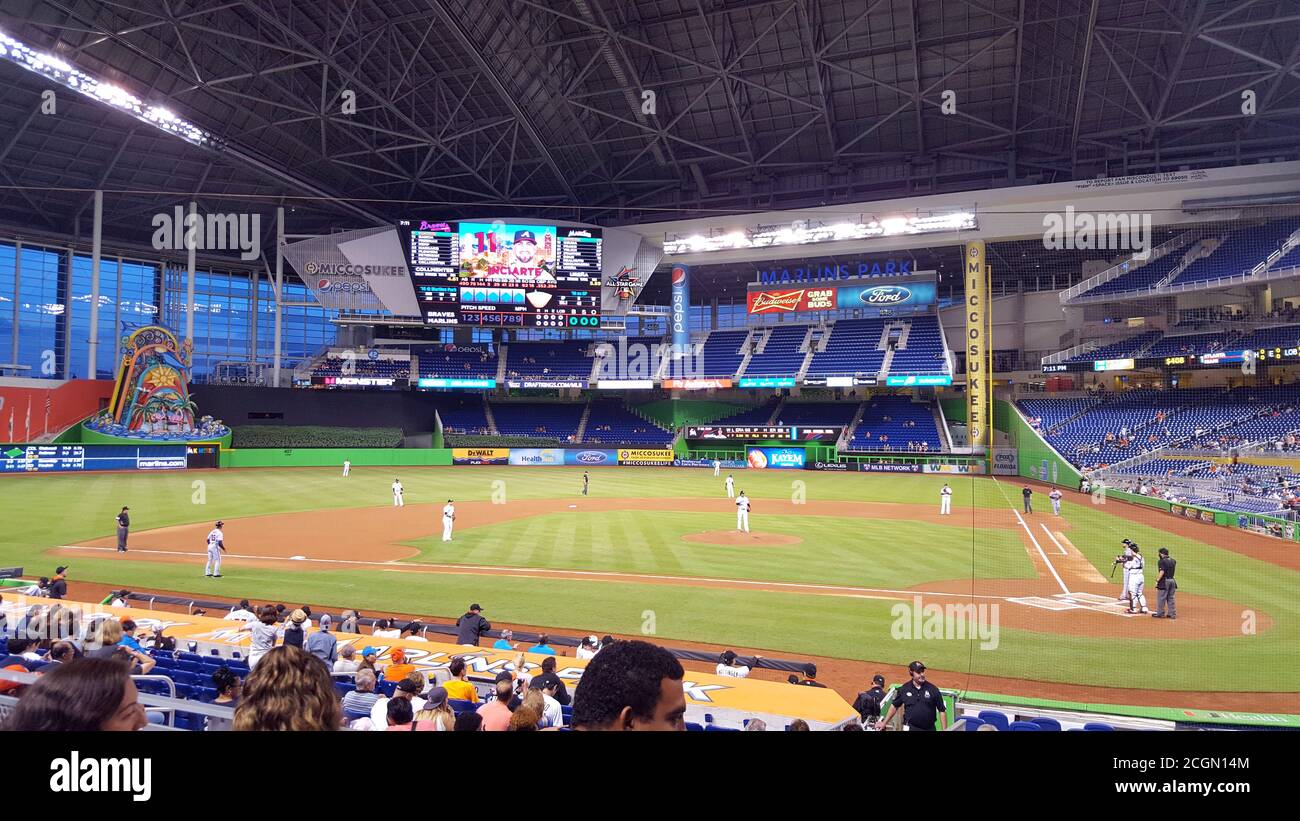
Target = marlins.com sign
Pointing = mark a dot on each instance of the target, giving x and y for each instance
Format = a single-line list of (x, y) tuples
[(645, 457)]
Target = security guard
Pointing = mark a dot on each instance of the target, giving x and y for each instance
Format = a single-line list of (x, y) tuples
[(1166, 587), (920, 701)]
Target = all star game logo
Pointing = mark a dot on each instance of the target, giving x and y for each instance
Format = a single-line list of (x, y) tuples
[(624, 283)]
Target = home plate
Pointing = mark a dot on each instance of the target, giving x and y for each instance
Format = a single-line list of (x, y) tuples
[(573, 507), (297, 558)]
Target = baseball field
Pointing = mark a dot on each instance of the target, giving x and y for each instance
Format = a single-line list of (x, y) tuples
[(842, 567)]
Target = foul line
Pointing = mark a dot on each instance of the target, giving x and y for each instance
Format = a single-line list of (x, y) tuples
[(1021, 519), (556, 573), (1064, 552)]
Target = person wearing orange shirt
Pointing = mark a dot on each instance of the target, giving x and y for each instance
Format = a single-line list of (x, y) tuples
[(398, 669)]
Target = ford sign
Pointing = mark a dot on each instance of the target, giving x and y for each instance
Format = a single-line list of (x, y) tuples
[(592, 457), (886, 295)]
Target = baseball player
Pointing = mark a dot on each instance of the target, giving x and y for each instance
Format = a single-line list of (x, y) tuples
[(731, 487), (216, 546), (1123, 559), (586, 482), (945, 500), (398, 501), (717, 468), (742, 512), (1055, 496), (448, 518), (1136, 582), (347, 467)]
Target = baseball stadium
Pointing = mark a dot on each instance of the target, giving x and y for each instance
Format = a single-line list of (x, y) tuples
[(898, 364)]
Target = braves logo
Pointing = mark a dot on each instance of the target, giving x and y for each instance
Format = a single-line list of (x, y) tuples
[(768, 301)]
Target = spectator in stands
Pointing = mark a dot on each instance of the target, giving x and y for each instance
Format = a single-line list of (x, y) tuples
[(62, 652), (229, 686), (437, 715), (542, 646), (347, 662), (288, 691), (386, 629), (472, 626), (548, 678), (265, 632), (399, 716), (408, 688), (294, 634), (798, 726), (504, 642), (552, 712), (756, 725), (360, 701), (631, 685), (322, 644), (869, 702), (527, 717), (412, 630), (85, 695), (810, 676), (496, 712), (468, 723), (460, 687), (398, 668), (588, 649), (241, 612), (134, 649)]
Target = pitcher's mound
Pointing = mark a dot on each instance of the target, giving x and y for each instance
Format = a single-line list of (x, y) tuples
[(736, 538)]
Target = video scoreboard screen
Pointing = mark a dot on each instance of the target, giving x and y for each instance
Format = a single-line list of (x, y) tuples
[(793, 433), (73, 458), (504, 275)]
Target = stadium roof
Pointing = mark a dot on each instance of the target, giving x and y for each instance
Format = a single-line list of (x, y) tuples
[(471, 107)]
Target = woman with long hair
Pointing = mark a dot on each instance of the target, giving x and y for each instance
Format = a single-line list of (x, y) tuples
[(529, 714), (288, 690), (83, 695), (265, 631), (437, 714), (229, 687)]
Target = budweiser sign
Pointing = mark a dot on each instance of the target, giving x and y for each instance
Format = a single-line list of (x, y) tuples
[(801, 299)]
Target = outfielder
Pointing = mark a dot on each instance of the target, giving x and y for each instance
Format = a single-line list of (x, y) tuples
[(448, 518), (1055, 496), (945, 500), (347, 467), (1136, 582), (216, 546), (398, 501), (717, 468), (742, 512), (731, 487)]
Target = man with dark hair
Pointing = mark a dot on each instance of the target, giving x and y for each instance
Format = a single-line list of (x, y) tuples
[(123, 527), (810, 676), (460, 687), (548, 678), (59, 586), (631, 685), (1166, 587), (471, 626), (495, 714), (920, 701), (868, 703)]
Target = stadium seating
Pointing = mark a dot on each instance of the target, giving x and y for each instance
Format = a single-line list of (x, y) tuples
[(611, 423), (782, 356), (1240, 251), (721, 355), (817, 413), (885, 426), (854, 347), (922, 350), (463, 415), (448, 363), (1141, 277), (549, 360), (1125, 348), (551, 420), (754, 416)]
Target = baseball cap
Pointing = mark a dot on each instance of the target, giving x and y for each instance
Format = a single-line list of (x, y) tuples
[(475, 607), (504, 676), (60, 570), (408, 686), (878, 679), (1164, 551), (436, 697), (326, 619), (810, 670), (729, 656), (916, 667), (397, 655), (525, 236), (369, 651)]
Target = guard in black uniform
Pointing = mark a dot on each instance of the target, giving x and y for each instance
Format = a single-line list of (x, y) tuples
[(920, 701), (1166, 587), (123, 526), (868, 703)]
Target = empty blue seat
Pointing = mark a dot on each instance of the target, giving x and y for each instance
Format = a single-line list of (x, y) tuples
[(1050, 724), (713, 728), (1024, 727), (995, 718), (459, 705), (353, 715), (693, 727), (972, 723), (1098, 727)]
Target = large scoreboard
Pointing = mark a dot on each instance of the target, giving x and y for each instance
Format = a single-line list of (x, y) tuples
[(793, 433), (504, 275)]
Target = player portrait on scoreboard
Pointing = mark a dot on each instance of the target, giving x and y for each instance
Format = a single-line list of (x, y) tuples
[(504, 254)]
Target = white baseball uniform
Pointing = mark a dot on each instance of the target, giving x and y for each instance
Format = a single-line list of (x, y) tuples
[(1128, 555), (1136, 583), (945, 501), (717, 468), (1055, 496), (448, 517), (216, 542), (398, 501), (731, 488), (347, 467), (742, 513)]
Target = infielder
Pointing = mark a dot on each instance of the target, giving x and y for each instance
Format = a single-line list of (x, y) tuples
[(398, 501), (1055, 496), (216, 546), (717, 468), (347, 467), (586, 482), (945, 500), (1136, 582), (742, 512), (448, 518), (731, 487)]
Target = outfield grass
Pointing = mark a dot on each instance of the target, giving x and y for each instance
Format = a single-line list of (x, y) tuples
[(43, 511)]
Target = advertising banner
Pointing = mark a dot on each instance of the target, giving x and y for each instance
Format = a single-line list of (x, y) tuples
[(767, 382), (976, 468), (791, 300), (480, 456), (1006, 462), (74, 458), (679, 311), (695, 384), (440, 382), (646, 456), (1192, 513), (776, 458), (725, 464), (873, 299), (914, 380), (838, 467), (537, 456), (591, 458), (528, 384), (887, 467), (979, 389)]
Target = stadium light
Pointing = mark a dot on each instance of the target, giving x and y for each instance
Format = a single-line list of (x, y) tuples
[(56, 70), (809, 232)]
